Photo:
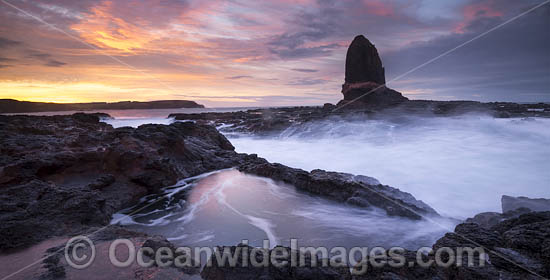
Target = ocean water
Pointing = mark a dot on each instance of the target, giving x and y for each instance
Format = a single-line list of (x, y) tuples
[(135, 118), (227, 207), (460, 166)]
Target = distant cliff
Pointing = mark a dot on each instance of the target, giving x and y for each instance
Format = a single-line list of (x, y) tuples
[(15, 106)]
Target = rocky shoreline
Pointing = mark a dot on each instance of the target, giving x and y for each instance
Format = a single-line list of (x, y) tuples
[(61, 174), (67, 175), (275, 120), (515, 248), (82, 171)]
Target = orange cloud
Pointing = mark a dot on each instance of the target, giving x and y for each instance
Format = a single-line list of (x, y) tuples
[(103, 29)]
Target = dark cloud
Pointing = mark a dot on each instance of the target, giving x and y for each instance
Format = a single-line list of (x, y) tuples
[(306, 82), (297, 53), (6, 43), (5, 66), (305, 70), (239, 77), (54, 63), (6, 59), (41, 56), (46, 58), (309, 26), (334, 20), (511, 63)]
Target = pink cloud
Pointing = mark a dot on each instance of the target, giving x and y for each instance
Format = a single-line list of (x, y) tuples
[(475, 11), (379, 8)]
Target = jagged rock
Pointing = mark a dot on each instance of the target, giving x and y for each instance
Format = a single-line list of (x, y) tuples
[(512, 207), (489, 219), (258, 121), (245, 270), (356, 190), (514, 249), (370, 96), (365, 79), (363, 64), (522, 240), (329, 106), (510, 203), (61, 174), (54, 265)]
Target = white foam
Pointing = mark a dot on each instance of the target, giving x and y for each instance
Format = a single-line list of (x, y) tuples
[(460, 166)]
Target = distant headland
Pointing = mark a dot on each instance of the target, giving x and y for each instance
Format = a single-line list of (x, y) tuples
[(15, 106)]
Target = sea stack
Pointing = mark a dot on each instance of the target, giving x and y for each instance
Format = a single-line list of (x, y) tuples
[(365, 78), (363, 64)]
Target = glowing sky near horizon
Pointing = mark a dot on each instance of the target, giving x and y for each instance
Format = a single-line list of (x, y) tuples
[(267, 53)]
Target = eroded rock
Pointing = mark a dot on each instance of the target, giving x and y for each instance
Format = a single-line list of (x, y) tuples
[(356, 190), (61, 174), (510, 203)]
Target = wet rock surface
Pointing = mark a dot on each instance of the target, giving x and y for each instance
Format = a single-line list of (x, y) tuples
[(61, 174), (509, 251), (510, 203), (512, 207), (360, 191), (245, 270), (515, 249), (55, 266), (276, 120), (258, 121)]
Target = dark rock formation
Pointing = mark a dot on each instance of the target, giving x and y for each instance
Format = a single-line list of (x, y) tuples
[(517, 248), (510, 203), (275, 120), (15, 106), (363, 64), (258, 121), (512, 207), (365, 82), (245, 271), (523, 240), (61, 174), (490, 219), (55, 266), (371, 96), (361, 191)]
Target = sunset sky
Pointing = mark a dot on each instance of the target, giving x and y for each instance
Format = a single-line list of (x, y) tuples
[(267, 53)]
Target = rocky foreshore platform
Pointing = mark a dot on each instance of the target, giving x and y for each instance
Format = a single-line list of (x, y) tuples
[(66, 175), (60, 175), (275, 120)]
